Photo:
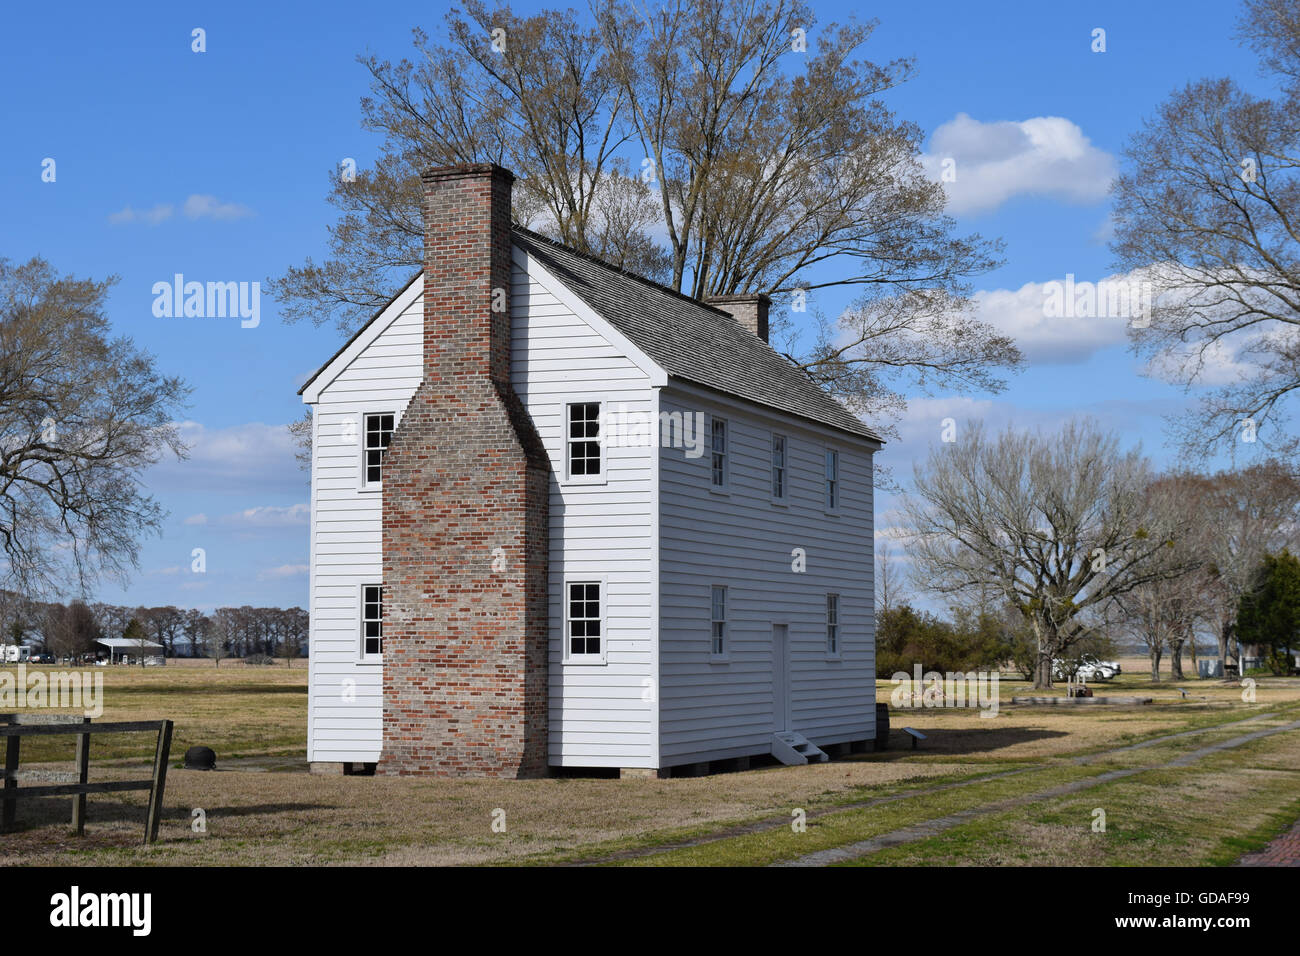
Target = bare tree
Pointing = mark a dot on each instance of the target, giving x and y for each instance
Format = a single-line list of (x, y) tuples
[(300, 434), (71, 630), (112, 619), (1056, 526), (195, 627), (1207, 206), (1247, 514), (297, 627), (1162, 615), (886, 580), (164, 624), (766, 173), (81, 415), (221, 634)]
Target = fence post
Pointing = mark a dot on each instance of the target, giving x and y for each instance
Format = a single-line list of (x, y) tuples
[(11, 778), (159, 781), (83, 776)]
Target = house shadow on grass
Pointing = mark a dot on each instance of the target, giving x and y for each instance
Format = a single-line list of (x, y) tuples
[(959, 742)]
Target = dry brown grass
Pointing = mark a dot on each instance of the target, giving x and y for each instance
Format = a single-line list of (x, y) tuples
[(255, 719), (294, 818)]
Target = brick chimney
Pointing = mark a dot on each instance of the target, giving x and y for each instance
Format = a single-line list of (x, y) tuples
[(465, 514), (749, 309)]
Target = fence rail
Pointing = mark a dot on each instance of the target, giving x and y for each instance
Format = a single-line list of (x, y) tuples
[(14, 727)]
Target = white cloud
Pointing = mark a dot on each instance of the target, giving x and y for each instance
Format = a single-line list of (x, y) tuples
[(150, 217), (993, 162), (196, 206), (203, 206), (198, 519), (269, 516), (1047, 339), (284, 571), (1217, 363), (248, 459)]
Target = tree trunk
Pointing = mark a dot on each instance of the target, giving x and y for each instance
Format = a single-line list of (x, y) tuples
[(1176, 661), (1043, 672), (1155, 663)]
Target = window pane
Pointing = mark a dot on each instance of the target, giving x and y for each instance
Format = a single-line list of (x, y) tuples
[(584, 439), (372, 625), (719, 440), (378, 436), (584, 627)]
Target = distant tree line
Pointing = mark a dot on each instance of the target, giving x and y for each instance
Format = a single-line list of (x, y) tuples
[(70, 630)]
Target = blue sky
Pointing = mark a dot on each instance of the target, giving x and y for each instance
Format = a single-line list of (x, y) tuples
[(215, 165)]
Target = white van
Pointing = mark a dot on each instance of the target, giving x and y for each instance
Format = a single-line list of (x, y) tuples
[(17, 654)]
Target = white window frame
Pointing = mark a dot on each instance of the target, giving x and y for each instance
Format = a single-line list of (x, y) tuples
[(362, 621), (725, 487), (715, 653), (784, 497), (832, 487), (834, 627), (587, 659), (566, 441), (366, 483)]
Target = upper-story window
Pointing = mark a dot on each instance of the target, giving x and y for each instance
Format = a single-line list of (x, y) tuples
[(583, 451), (378, 436), (718, 439), (779, 472), (832, 480), (372, 621)]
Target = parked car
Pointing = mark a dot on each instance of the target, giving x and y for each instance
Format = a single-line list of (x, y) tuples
[(1087, 669), (45, 659)]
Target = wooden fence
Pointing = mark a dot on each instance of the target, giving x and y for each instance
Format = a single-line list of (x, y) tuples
[(14, 727)]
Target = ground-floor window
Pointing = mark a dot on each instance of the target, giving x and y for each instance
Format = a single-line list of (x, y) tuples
[(372, 622)]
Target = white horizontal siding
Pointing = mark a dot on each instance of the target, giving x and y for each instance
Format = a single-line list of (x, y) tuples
[(597, 714), (740, 539), (345, 704)]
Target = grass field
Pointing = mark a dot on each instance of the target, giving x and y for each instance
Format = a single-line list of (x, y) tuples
[(1021, 788)]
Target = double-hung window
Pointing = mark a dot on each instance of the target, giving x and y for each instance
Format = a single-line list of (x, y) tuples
[(832, 480), (377, 436), (718, 621), (584, 452), (372, 621), (779, 471), (832, 624), (583, 621), (718, 441)]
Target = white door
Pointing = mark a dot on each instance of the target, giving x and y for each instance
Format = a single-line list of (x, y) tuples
[(780, 677)]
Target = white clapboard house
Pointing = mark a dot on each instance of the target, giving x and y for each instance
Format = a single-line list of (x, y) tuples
[(708, 560)]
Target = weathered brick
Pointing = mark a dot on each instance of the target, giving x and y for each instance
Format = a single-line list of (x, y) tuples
[(465, 644)]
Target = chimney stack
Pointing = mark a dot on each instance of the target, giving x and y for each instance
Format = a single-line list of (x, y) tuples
[(465, 514), (749, 309)]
